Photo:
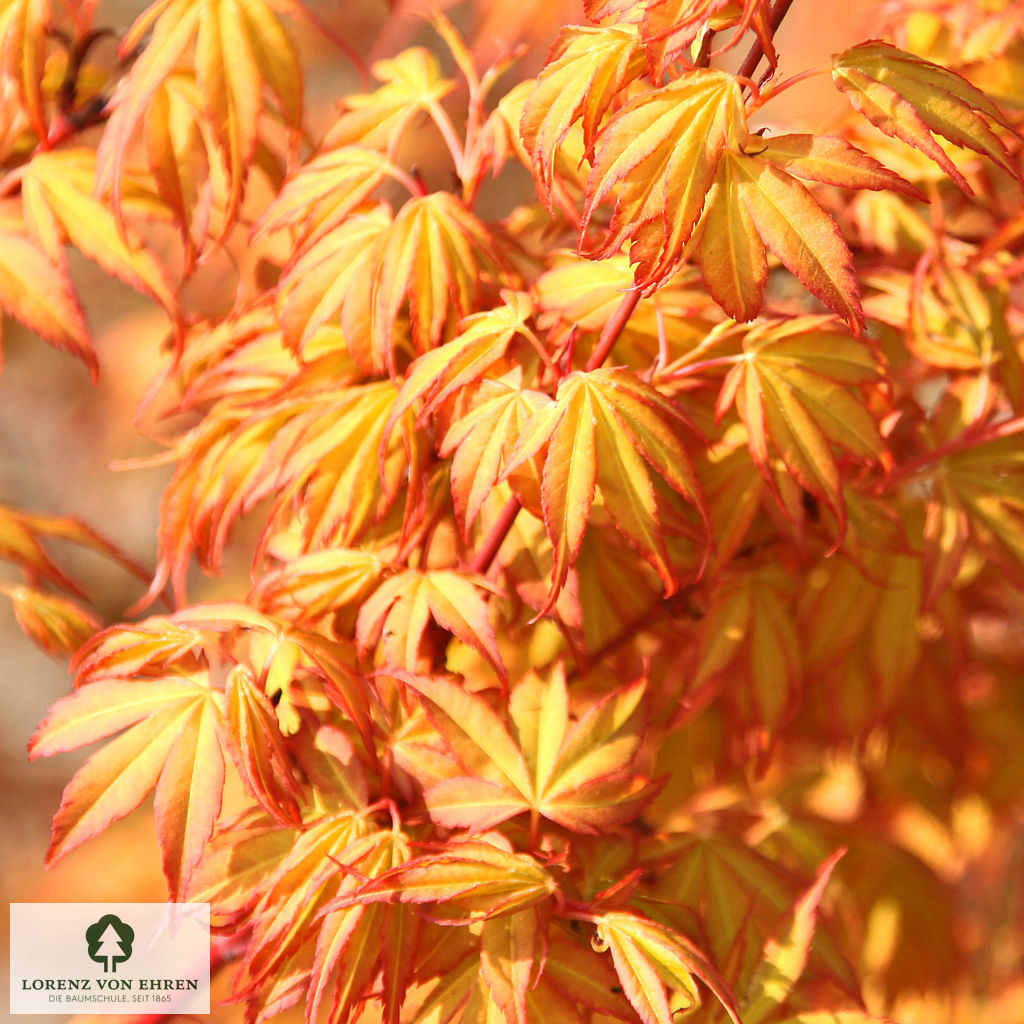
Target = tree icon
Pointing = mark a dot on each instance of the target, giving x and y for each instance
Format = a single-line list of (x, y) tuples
[(110, 942)]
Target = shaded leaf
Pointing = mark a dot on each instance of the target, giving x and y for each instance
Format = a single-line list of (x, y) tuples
[(400, 608), (748, 643)]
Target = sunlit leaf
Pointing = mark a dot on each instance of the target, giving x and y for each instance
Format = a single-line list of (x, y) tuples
[(171, 741), (785, 957), (660, 175), (602, 429), (649, 957), (57, 624), (412, 83), (587, 68), (36, 291), (471, 878), (791, 390), (59, 204), (913, 99)]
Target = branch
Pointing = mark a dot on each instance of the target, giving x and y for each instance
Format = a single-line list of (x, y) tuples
[(613, 328), (492, 543), (753, 58)]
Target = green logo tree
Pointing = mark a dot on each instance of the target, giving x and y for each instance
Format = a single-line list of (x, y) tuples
[(110, 942)]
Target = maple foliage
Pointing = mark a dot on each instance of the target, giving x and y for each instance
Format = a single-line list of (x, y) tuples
[(631, 627)]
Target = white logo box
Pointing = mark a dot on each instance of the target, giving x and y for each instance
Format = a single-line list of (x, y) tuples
[(111, 958)]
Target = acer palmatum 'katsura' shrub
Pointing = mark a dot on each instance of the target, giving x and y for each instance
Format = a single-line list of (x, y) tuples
[(633, 628)]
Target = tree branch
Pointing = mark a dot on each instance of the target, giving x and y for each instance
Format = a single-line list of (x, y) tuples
[(753, 58), (613, 328)]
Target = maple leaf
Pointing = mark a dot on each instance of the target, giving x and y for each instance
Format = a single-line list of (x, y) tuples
[(34, 289), (324, 278), (508, 945), (583, 975), (57, 624), (231, 92), (479, 879), (171, 744), (400, 609), (23, 39), (785, 957), (483, 339), (979, 497), (958, 320), (578, 777), (325, 438), (585, 71), (256, 745), (790, 389), (848, 613), (754, 204), (292, 896), (241, 358), (754, 895), (647, 956), (57, 193), (483, 438), (412, 84), (310, 587), (356, 941), (319, 195), (582, 292), (142, 649), (748, 635), (240, 856), (601, 429), (657, 157), (914, 100), (669, 27), (830, 160), (24, 537), (432, 260), (181, 156)]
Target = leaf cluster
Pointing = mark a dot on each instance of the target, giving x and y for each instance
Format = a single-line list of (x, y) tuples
[(620, 554)]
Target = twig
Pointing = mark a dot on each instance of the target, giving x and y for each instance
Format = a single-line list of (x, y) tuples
[(753, 58)]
